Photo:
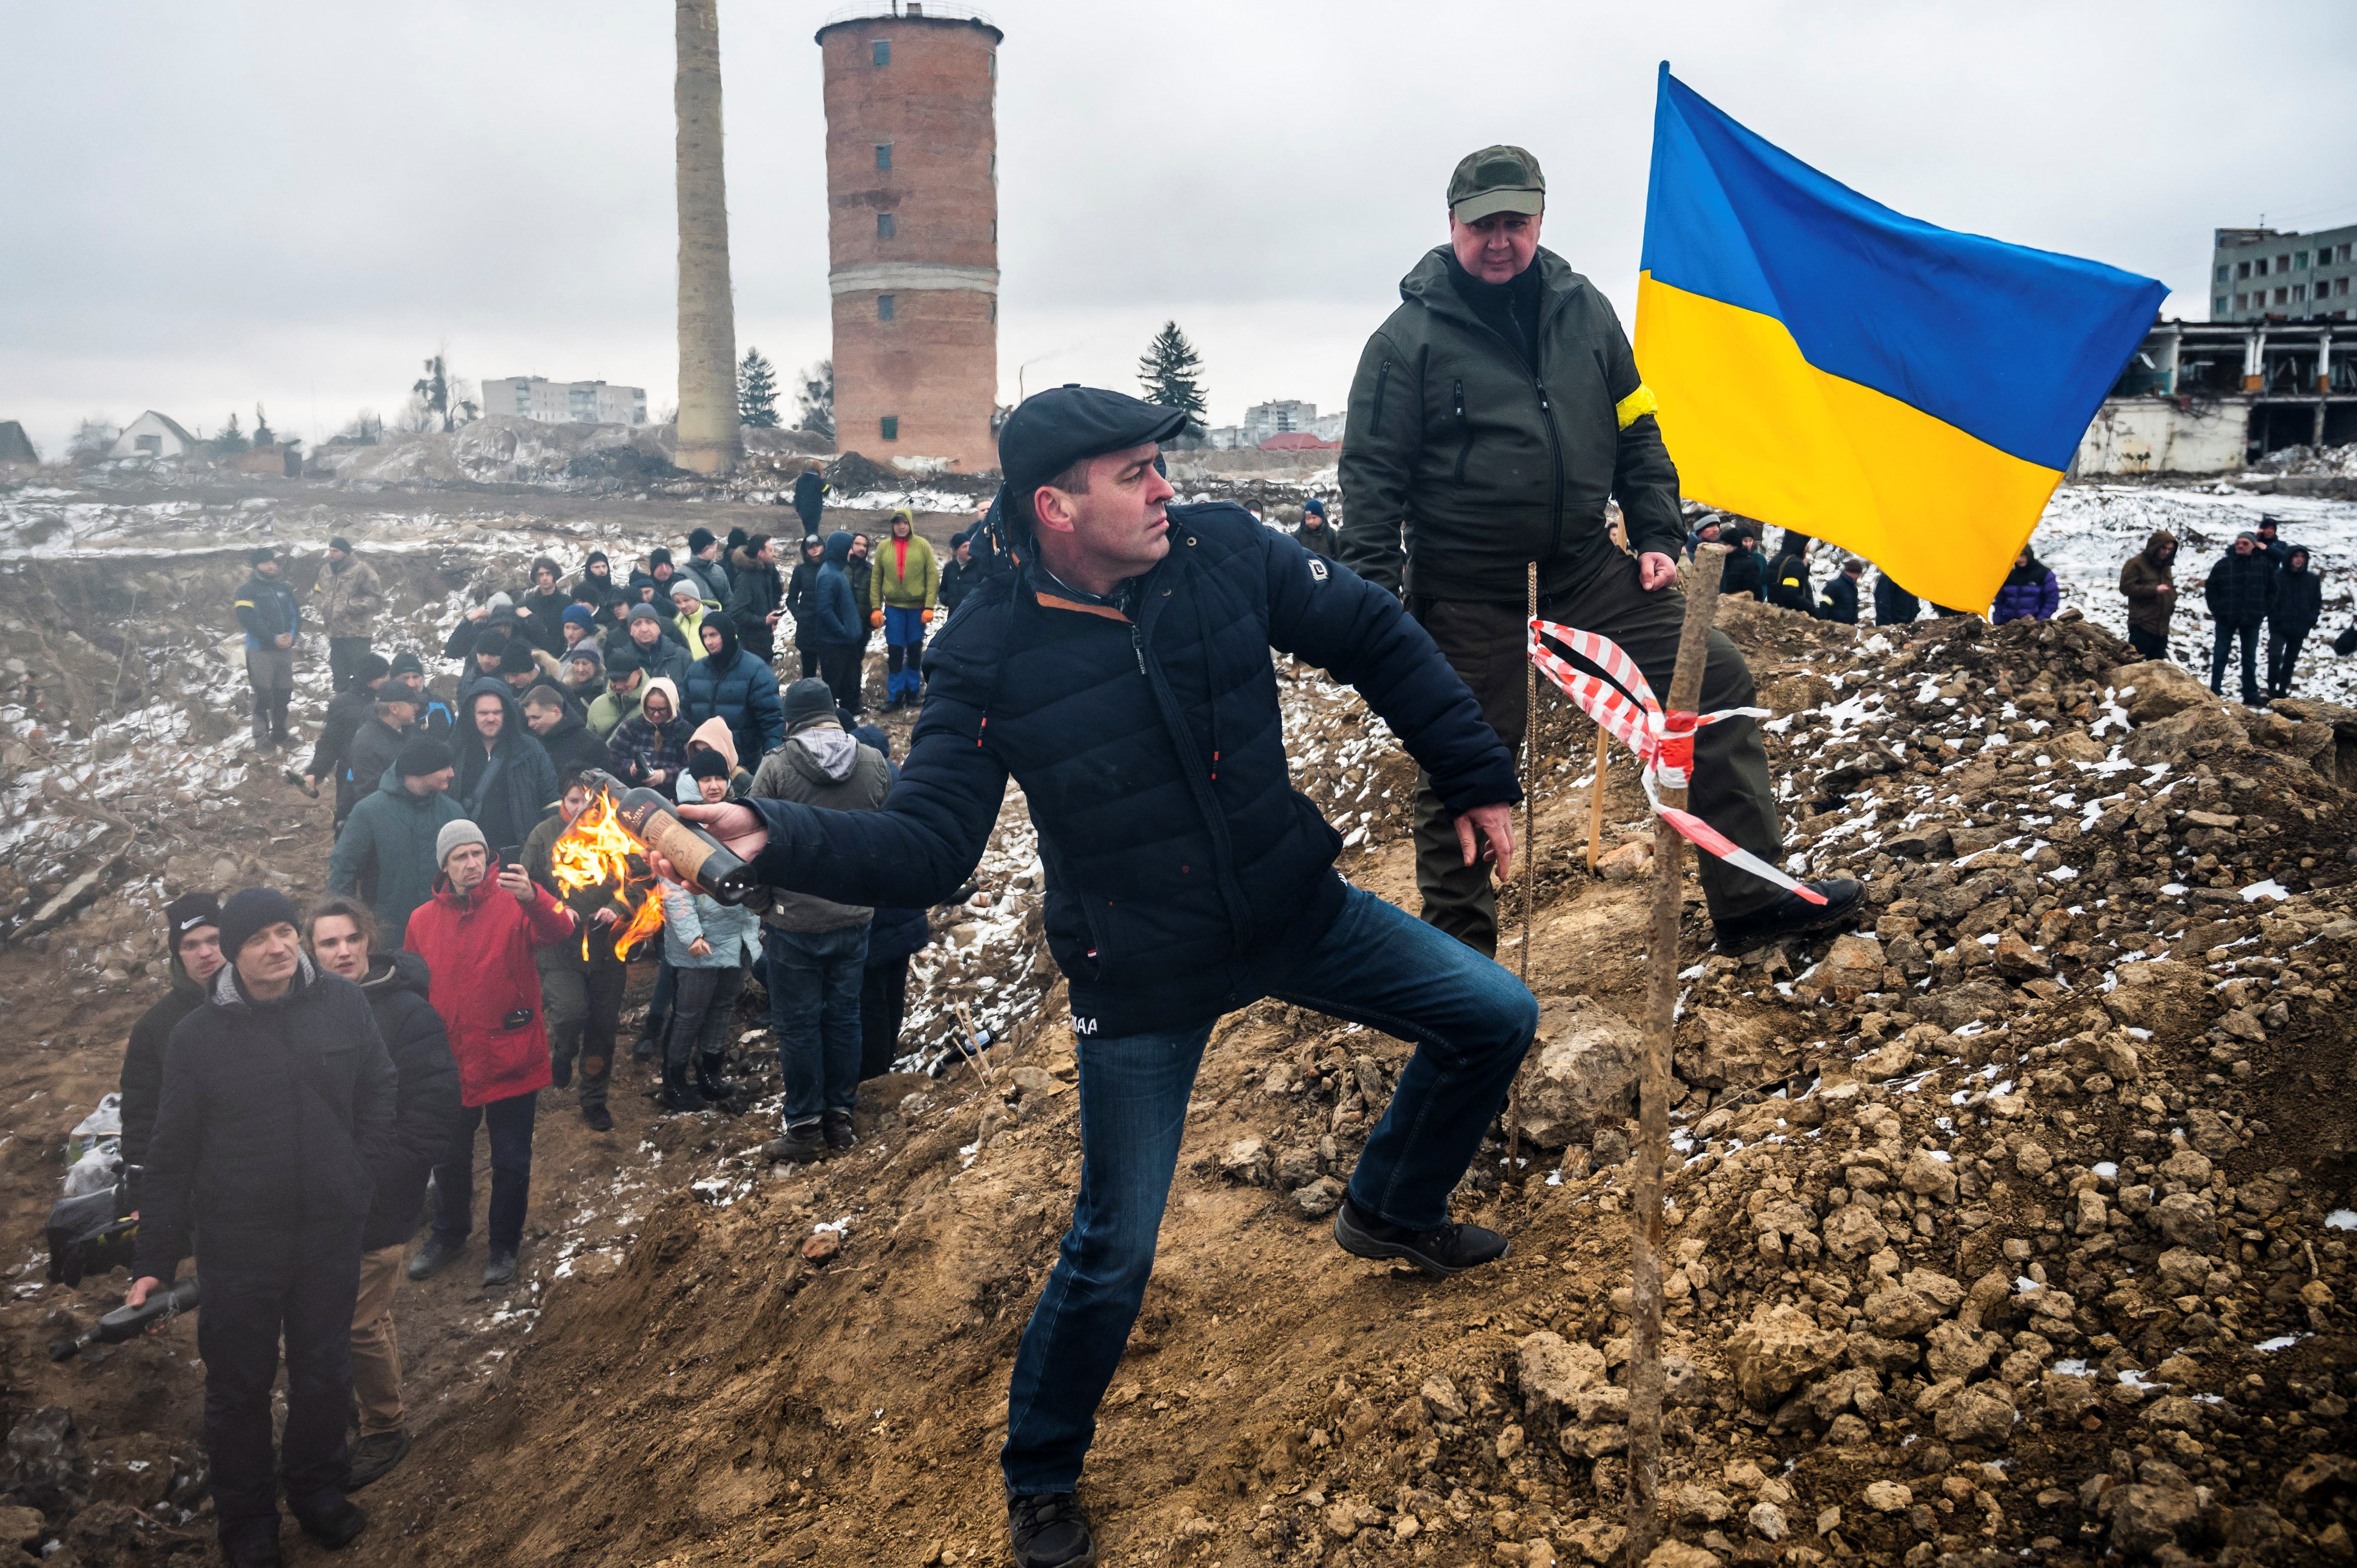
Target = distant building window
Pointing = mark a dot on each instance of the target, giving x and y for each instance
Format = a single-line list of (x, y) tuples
[(2340, 285), (148, 442), (2243, 269), (883, 155), (890, 424), (2283, 263), (2218, 305), (883, 307), (2298, 292), (2262, 266), (2242, 300), (994, 168), (883, 51), (883, 225), (2300, 262), (2340, 252), (2222, 275), (2279, 295), (993, 65)]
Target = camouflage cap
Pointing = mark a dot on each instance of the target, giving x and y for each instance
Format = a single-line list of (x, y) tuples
[(1496, 179)]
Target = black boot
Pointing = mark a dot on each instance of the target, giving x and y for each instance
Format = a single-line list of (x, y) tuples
[(261, 723), (1447, 1249), (1049, 1531), (708, 1081), (678, 1094)]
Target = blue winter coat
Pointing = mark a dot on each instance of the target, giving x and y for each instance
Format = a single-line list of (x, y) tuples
[(2030, 594), (733, 684), (1185, 877), (835, 616), (267, 609)]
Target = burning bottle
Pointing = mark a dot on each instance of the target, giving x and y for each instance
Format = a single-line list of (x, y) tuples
[(654, 823)]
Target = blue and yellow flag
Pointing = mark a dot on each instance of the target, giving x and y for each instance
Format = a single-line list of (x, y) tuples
[(1824, 363)]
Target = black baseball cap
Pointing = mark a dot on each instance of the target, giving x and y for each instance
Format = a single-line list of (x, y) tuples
[(1051, 430)]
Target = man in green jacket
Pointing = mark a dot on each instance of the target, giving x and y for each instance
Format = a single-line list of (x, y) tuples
[(903, 586), (1493, 417), (385, 853)]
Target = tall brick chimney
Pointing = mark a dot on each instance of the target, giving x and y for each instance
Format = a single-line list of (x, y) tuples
[(912, 233)]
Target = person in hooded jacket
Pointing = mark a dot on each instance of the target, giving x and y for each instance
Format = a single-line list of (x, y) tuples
[(1788, 575), (341, 938), (277, 1110), (581, 982), (477, 935), (688, 608), (2299, 602), (480, 637), (650, 747), (817, 948), (756, 597), (1893, 606), (2029, 592), (505, 782), (802, 592), (708, 945), (728, 683), (810, 500), (597, 588), (714, 736), (1313, 532), (902, 590), (192, 936), (376, 745), (347, 711), (561, 732), (835, 627), (272, 619), (2147, 580), (385, 853), (2241, 593)]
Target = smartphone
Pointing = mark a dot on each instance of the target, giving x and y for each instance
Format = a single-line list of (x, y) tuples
[(511, 855)]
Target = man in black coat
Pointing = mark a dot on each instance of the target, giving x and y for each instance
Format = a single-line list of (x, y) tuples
[(1788, 575), (1839, 601), (347, 711), (1122, 674), (561, 733), (192, 932), (277, 1110), (1893, 606), (802, 592), (757, 598), (1746, 571), (810, 501), (505, 783), (342, 936), (2240, 593), (2299, 601)]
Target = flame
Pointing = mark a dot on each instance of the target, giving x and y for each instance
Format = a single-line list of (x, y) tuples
[(596, 851)]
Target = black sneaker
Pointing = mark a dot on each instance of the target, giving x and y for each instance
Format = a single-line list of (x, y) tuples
[(374, 1455), (1791, 916), (335, 1527), (600, 1120), (433, 1257), (802, 1144), (501, 1269), (1449, 1249), (837, 1130), (1049, 1531)]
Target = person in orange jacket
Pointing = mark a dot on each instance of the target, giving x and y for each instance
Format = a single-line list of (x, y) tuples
[(903, 587), (476, 935)]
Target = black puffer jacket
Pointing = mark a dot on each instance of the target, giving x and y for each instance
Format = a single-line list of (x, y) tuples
[(1184, 872), (2300, 599), (1839, 601), (1485, 458), (2240, 589), (274, 1118), (425, 1101)]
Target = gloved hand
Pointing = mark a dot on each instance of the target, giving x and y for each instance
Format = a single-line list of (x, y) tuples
[(925, 616), (875, 618)]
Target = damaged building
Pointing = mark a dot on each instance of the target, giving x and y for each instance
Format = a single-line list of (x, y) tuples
[(2215, 397)]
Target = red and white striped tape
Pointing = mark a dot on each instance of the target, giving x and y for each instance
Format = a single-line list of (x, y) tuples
[(1662, 743)]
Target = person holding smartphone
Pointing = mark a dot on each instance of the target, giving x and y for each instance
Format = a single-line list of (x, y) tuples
[(477, 935)]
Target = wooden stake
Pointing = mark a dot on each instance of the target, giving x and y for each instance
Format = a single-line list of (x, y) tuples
[(1595, 797), (1645, 1239), (1530, 859)]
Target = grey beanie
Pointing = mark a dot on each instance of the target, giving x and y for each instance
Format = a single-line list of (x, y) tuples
[(456, 835), (808, 698)]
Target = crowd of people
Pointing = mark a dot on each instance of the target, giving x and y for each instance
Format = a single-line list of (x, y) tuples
[(312, 1091)]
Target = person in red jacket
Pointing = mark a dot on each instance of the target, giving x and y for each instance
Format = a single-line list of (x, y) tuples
[(477, 936)]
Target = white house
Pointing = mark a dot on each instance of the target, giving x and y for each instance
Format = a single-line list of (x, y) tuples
[(153, 435)]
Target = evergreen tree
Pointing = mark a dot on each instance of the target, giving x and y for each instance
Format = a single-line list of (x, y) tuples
[(757, 391), (1169, 372), (229, 442), (816, 399)]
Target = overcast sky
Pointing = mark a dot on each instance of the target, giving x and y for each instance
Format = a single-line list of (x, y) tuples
[(208, 206)]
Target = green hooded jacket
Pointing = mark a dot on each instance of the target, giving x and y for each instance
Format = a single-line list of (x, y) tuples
[(1461, 462), (385, 852)]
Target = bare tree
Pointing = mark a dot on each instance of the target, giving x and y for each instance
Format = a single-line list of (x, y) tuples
[(707, 440), (92, 438), (816, 399)]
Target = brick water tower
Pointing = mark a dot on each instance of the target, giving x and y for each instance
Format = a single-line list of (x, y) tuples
[(912, 232)]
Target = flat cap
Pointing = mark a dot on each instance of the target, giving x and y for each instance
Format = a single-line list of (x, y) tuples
[(1051, 430)]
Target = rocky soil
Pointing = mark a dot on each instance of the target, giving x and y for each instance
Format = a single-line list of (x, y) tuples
[(2015, 1222)]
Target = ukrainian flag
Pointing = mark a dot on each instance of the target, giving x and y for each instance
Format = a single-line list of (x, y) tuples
[(1824, 363)]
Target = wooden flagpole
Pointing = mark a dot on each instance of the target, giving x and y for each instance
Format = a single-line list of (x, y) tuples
[(1596, 797), (1645, 1237)]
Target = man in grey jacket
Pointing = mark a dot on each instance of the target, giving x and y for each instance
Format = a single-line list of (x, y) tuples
[(817, 949)]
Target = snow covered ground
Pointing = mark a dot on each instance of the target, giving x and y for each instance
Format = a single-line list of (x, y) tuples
[(2089, 532)]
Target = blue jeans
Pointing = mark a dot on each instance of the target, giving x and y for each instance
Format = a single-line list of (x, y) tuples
[(904, 652), (1470, 1022), (509, 1123), (815, 1011)]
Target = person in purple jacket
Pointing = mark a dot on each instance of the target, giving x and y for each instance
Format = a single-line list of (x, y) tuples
[(2030, 592)]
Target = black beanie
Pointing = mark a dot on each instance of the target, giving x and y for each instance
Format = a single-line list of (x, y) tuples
[(341, 542), (698, 538), (658, 556), (707, 764), (372, 667), (808, 698), (250, 910), (186, 913), (259, 554), (406, 663), (422, 754)]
